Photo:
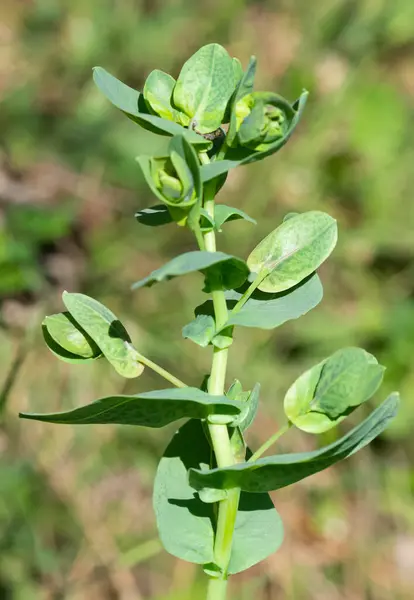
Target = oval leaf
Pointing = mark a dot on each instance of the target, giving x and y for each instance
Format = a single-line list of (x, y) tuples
[(107, 332), (275, 472), (294, 250), (231, 270), (205, 86), (324, 395), (267, 311), (223, 213), (149, 409), (186, 524)]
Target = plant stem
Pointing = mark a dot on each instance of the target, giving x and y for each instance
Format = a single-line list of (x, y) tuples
[(252, 287), (168, 376), (272, 440), (227, 508), (217, 589)]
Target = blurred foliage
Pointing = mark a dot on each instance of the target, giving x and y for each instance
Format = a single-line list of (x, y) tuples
[(74, 503)]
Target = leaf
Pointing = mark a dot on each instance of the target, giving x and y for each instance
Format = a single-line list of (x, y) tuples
[(186, 524), (154, 216), (133, 105), (223, 213), (232, 271), (328, 392), (175, 178), (107, 332), (149, 409), (204, 87), (61, 353), (349, 377), (275, 472), (158, 91), (249, 411), (201, 330), (245, 87), (67, 340), (294, 250), (267, 311), (258, 532), (243, 156)]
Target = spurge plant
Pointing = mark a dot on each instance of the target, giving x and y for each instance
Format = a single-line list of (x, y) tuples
[(211, 492)]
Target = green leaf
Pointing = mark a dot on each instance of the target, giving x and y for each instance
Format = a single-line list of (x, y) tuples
[(243, 156), (249, 410), (158, 91), (201, 330), (294, 250), (268, 311), (61, 353), (231, 270), (275, 472), (258, 532), (204, 87), (186, 524), (133, 105), (154, 216), (223, 213), (245, 87), (149, 409), (325, 394), (174, 179), (107, 332), (68, 340)]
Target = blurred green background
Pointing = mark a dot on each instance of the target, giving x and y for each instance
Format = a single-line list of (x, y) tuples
[(75, 503)]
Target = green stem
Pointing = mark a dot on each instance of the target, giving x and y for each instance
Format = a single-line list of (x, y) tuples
[(217, 589), (227, 508), (168, 376), (252, 287), (272, 440)]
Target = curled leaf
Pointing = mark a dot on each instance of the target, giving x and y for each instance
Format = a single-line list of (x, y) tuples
[(107, 332), (67, 340), (174, 179), (158, 91), (262, 118)]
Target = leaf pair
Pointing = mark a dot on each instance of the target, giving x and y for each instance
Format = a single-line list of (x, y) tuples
[(132, 103), (88, 331), (187, 525), (160, 215), (275, 472), (199, 98)]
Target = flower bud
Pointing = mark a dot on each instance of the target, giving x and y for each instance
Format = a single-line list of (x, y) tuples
[(261, 119)]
